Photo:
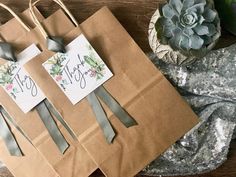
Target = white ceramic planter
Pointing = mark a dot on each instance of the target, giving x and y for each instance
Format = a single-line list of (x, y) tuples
[(165, 52)]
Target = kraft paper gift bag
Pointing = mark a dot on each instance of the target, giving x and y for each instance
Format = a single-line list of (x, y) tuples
[(32, 163), (75, 162), (162, 115), (17, 152), (29, 162), (12, 29)]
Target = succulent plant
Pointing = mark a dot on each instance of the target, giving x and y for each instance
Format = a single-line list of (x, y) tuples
[(189, 26)]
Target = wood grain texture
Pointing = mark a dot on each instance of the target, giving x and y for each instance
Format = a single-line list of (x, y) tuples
[(134, 15)]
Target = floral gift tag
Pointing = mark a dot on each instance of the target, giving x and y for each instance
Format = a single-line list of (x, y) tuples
[(79, 71), (18, 84)]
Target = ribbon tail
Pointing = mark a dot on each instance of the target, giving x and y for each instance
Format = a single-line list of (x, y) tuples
[(101, 117), (9, 118), (60, 119), (52, 127), (9, 138), (115, 107)]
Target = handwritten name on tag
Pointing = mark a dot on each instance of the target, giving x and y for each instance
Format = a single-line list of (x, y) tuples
[(16, 81), (79, 71)]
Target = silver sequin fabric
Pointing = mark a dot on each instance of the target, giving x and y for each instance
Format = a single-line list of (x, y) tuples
[(209, 86)]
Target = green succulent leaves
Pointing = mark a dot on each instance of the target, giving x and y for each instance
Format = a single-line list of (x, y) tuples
[(189, 26)]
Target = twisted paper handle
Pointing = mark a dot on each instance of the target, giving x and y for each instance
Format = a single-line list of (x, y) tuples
[(37, 22), (53, 43), (15, 16), (6, 51)]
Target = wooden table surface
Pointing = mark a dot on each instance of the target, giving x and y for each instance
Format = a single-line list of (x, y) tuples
[(134, 15)]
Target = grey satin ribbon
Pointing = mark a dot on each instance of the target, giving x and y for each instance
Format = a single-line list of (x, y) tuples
[(8, 137), (115, 107), (55, 44), (101, 117), (6, 52), (9, 118), (60, 119), (52, 127)]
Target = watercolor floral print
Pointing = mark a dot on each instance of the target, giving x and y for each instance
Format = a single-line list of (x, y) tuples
[(56, 62), (6, 77), (97, 66), (56, 67)]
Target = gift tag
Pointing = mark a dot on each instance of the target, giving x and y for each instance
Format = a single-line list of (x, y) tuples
[(18, 84), (79, 71)]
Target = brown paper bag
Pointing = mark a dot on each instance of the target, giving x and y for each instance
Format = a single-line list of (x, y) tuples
[(32, 163), (162, 115), (75, 162), (12, 29)]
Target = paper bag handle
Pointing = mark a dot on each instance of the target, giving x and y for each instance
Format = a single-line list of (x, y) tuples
[(37, 22), (15, 16), (6, 50)]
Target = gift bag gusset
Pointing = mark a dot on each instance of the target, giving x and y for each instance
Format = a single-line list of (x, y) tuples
[(75, 161), (162, 115)]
